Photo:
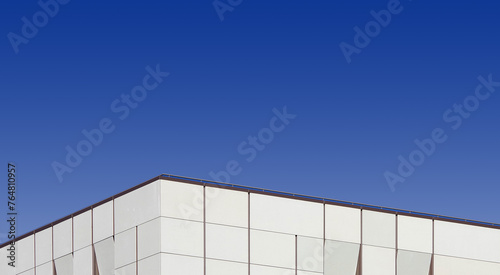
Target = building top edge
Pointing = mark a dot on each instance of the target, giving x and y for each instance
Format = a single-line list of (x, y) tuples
[(264, 192)]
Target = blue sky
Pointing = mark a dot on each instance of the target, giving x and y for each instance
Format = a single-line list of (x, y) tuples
[(227, 81)]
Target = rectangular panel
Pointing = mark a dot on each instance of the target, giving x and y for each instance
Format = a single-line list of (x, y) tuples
[(25, 251), (5, 268), (125, 248), (82, 230), (105, 256), (148, 241), (64, 265), (378, 261), (176, 264), (415, 234), (379, 229), (466, 241), (413, 263), (43, 246), (29, 272), (273, 249), (151, 266), (444, 265), (63, 238), (83, 261), (181, 200), (102, 224), (182, 237), (309, 254), (301, 272), (341, 258), (217, 267), (268, 270), (126, 270), (226, 207), (286, 215), (227, 243), (137, 207), (44, 269), (342, 223)]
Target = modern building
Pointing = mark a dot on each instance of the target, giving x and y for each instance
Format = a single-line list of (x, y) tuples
[(173, 225)]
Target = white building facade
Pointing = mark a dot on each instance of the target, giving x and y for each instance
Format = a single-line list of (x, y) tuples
[(171, 225)]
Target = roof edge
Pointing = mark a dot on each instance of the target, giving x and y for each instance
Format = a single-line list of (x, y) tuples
[(264, 192)]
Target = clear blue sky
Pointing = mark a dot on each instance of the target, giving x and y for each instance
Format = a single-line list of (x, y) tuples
[(352, 120)]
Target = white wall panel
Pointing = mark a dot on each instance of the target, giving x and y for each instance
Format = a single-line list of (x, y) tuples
[(467, 241), (25, 251), (148, 238), (268, 270), (181, 200), (226, 207), (151, 265), (63, 238), (103, 221), (379, 229), (413, 263), (82, 261), (44, 269), (378, 261), (273, 249), (341, 258), (64, 265), (286, 215), (309, 254), (43, 246), (82, 230), (125, 248), (414, 234), (227, 243), (28, 272), (4, 267), (126, 270), (342, 223), (444, 265), (301, 272), (218, 267), (180, 265), (182, 237), (137, 207), (105, 258)]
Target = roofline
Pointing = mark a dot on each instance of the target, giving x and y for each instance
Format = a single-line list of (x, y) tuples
[(264, 192)]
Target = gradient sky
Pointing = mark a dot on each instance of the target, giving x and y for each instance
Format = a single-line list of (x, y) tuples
[(352, 121)]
